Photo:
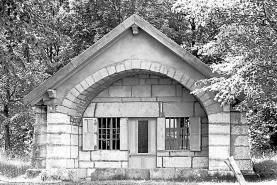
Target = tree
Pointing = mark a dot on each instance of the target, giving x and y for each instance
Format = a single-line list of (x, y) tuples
[(246, 40), (32, 48)]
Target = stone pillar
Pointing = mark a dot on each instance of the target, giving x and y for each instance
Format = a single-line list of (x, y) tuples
[(39, 149), (240, 147), (219, 142), (56, 140)]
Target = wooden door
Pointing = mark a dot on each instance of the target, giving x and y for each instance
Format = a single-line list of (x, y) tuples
[(142, 143)]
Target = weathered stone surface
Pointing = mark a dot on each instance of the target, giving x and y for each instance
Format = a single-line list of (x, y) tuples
[(101, 100), (205, 141), (61, 139), (181, 153), (177, 162), (203, 153), (109, 155), (240, 140), (241, 152), (84, 156), (160, 133), (187, 174), (107, 174), (199, 111), (59, 129), (163, 90), (215, 139), (159, 162), (107, 164), (58, 118), (219, 128), (244, 164), (151, 81), (165, 81), (162, 173), (130, 81), (204, 129), (141, 91), (58, 151), (120, 91), (239, 129), (180, 109), (74, 152), (128, 109), (179, 90), (104, 93), (138, 174), (169, 99), (200, 162), (74, 140), (219, 152), (218, 164), (215, 108), (89, 112), (219, 118), (86, 164)]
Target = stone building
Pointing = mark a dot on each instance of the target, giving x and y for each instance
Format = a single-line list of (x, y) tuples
[(125, 103)]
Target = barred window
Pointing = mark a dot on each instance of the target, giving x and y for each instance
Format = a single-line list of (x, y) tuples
[(177, 133), (109, 133)]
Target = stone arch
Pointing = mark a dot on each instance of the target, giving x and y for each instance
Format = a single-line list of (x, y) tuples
[(79, 97)]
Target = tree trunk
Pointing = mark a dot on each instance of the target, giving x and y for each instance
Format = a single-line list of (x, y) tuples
[(7, 129)]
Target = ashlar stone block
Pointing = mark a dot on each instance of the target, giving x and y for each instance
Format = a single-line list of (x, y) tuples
[(61, 139), (58, 118), (178, 109), (219, 128), (58, 151), (177, 162), (219, 118), (240, 140), (109, 155), (215, 139), (120, 91), (128, 109), (107, 164), (200, 162), (141, 91), (130, 81), (219, 152), (163, 90)]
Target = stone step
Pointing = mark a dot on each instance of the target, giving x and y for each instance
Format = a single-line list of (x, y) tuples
[(148, 174)]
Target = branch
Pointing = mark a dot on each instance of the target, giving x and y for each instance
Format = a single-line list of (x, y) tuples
[(271, 23)]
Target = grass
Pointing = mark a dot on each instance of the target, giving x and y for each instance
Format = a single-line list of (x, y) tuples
[(265, 166), (11, 168)]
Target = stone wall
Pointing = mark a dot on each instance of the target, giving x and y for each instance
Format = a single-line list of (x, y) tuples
[(56, 140), (240, 147), (146, 96)]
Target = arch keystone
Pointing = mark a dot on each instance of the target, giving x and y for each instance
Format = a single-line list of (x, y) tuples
[(145, 65), (136, 64)]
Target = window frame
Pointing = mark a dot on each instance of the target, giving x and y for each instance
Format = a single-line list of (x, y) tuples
[(182, 141)]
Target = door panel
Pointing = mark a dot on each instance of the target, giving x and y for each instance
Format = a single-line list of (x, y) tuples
[(142, 143)]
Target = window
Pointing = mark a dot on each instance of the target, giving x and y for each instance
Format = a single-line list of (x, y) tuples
[(109, 133), (177, 133)]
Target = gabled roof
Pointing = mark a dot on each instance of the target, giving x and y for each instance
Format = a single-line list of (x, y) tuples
[(84, 57)]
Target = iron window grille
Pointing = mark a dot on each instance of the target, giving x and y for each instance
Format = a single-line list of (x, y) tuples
[(177, 133), (109, 133)]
